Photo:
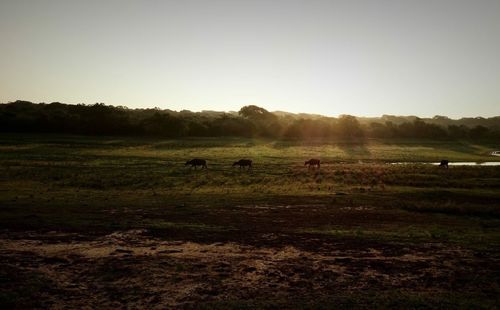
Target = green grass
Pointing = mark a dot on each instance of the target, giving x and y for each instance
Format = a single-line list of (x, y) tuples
[(111, 182), (470, 234), (161, 225)]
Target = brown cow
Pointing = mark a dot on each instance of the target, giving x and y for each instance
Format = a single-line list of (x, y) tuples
[(243, 163), (197, 162), (312, 162), (444, 163)]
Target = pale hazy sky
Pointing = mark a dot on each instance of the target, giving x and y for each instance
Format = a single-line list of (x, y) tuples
[(421, 57)]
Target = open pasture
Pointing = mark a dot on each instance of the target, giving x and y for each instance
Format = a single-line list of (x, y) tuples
[(125, 221)]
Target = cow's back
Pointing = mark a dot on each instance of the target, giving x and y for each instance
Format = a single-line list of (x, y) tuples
[(198, 162)]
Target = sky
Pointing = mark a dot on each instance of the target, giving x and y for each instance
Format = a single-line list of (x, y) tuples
[(365, 58)]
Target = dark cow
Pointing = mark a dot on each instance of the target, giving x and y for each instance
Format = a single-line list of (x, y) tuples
[(312, 163), (197, 162), (444, 163), (243, 163)]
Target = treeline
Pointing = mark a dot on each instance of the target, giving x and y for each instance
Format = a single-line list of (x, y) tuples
[(250, 121)]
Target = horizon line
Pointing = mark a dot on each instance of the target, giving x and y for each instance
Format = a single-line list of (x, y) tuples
[(275, 111)]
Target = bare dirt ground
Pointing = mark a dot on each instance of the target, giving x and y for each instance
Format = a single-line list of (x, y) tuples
[(135, 269)]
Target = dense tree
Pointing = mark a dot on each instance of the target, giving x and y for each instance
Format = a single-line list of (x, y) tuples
[(379, 130), (349, 127), (458, 132), (308, 128), (266, 123), (250, 121), (161, 124), (479, 132)]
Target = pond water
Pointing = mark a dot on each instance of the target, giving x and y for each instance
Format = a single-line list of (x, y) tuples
[(471, 163), (458, 163)]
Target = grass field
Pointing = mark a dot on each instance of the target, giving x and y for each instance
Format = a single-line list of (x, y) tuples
[(111, 221)]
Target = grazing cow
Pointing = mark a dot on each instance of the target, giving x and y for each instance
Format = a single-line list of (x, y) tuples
[(243, 163), (444, 163), (197, 162), (312, 162)]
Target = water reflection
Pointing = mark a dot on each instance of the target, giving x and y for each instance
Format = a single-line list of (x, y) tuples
[(458, 163)]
